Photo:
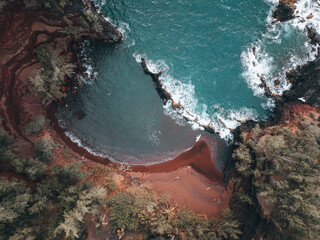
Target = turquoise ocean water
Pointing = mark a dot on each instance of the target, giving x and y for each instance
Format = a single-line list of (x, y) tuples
[(205, 49)]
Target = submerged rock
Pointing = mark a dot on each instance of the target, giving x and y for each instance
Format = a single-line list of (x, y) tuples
[(79, 114)]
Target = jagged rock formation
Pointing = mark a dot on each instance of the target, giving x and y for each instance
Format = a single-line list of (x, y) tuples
[(285, 10)]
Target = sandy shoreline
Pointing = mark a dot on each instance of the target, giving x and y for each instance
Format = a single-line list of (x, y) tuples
[(199, 157), (191, 179)]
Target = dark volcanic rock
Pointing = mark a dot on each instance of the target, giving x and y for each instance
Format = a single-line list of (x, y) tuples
[(284, 12), (305, 83), (163, 94), (314, 36)]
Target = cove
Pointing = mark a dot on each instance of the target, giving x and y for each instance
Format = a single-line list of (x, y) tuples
[(204, 49)]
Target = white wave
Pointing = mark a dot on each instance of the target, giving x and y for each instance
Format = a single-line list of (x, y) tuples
[(80, 143), (198, 137), (258, 62), (192, 112), (303, 11), (124, 28), (99, 3)]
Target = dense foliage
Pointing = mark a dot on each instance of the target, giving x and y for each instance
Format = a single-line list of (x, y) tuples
[(44, 204), (140, 207), (48, 80), (283, 164), (44, 149)]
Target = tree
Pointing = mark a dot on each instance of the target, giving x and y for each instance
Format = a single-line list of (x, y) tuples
[(89, 202), (48, 80), (70, 174), (36, 125), (124, 214), (32, 168), (18, 204), (44, 149), (285, 177), (6, 150)]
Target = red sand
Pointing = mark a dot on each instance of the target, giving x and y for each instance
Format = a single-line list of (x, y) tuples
[(191, 179)]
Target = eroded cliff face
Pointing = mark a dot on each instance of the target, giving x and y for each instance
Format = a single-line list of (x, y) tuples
[(23, 28)]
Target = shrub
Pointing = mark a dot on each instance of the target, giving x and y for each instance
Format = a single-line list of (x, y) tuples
[(36, 125), (70, 174), (44, 149), (124, 214), (6, 150)]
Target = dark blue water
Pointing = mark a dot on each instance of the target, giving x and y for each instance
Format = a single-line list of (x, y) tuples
[(204, 48)]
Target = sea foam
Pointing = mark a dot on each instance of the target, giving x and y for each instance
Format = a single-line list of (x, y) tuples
[(259, 63)]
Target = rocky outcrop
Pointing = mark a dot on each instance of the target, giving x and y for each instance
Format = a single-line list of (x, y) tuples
[(305, 84), (163, 94), (285, 10), (166, 96)]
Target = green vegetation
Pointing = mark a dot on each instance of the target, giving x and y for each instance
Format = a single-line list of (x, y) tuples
[(44, 149), (48, 80), (6, 149), (3, 3), (47, 204), (36, 125), (140, 207), (93, 19), (70, 174), (24, 211), (32, 168), (52, 208), (284, 168), (53, 3)]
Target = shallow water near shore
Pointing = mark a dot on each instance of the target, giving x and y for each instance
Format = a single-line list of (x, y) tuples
[(205, 50)]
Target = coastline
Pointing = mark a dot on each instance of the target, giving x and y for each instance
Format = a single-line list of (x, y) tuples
[(199, 157)]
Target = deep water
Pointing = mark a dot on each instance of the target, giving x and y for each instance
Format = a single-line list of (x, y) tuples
[(205, 49)]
